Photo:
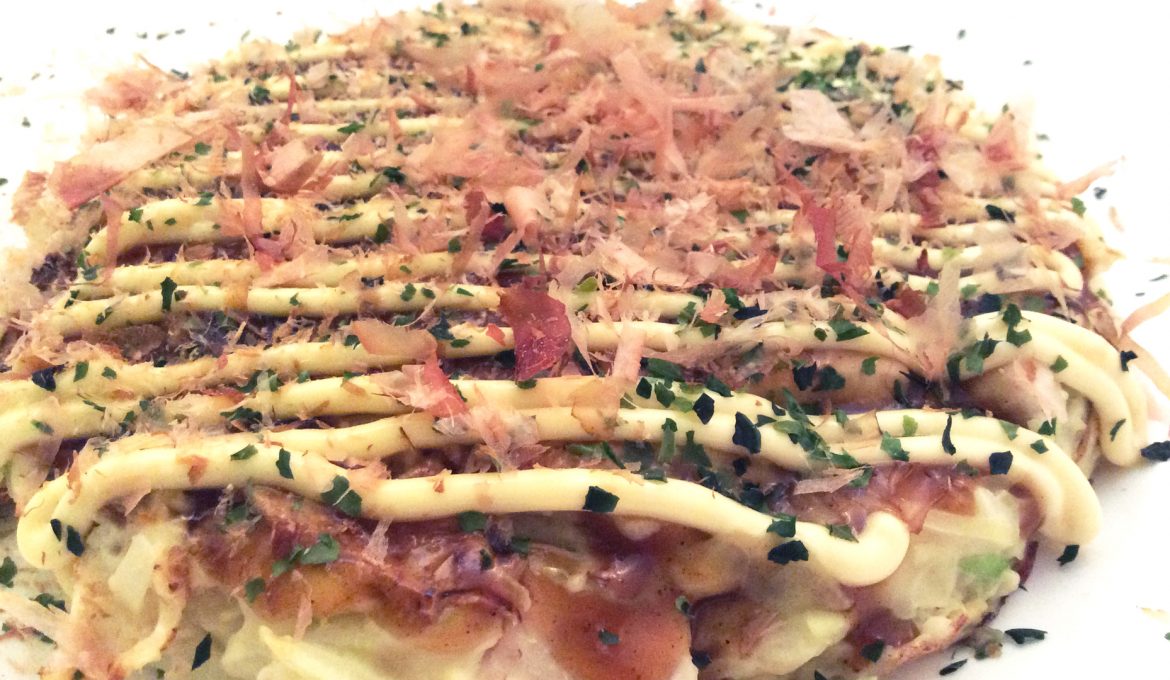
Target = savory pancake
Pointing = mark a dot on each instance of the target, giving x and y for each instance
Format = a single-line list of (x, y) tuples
[(549, 340)]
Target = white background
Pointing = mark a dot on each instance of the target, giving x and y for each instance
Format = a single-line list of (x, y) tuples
[(1097, 75)]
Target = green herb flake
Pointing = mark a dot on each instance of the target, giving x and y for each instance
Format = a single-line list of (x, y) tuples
[(1059, 365), (259, 95), (873, 651), (845, 329), (588, 285), (88, 272), (1070, 553), (732, 298), (740, 215), (747, 434), (168, 293), (265, 378), (1022, 636), (283, 458), (909, 426), (966, 469), (1000, 462), (46, 600), (74, 542), (245, 453), (717, 386), (441, 330), (324, 551), (46, 378), (828, 379), (783, 526), (789, 551), (948, 445), (202, 652), (892, 447), (1078, 206), (704, 408), (1159, 452), (952, 667), (599, 500), (694, 453), (666, 449), (520, 545), (342, 497), (601, 450), (660, 368), (1017, 337), (997, 213), (282, 566), (440, 39), (243, 416), (869, 365), (472, 521), (1115, 429), (253, 588), (351, 128), (842, 531), (7, 572)]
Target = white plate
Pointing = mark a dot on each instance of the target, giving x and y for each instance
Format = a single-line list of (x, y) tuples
[(1095, 74)]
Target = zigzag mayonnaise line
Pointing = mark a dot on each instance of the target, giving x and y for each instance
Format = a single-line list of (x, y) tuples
[(174, 220), (144, 278), (877, 552), (382, 438), (1054, 480), (1086, 374)]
